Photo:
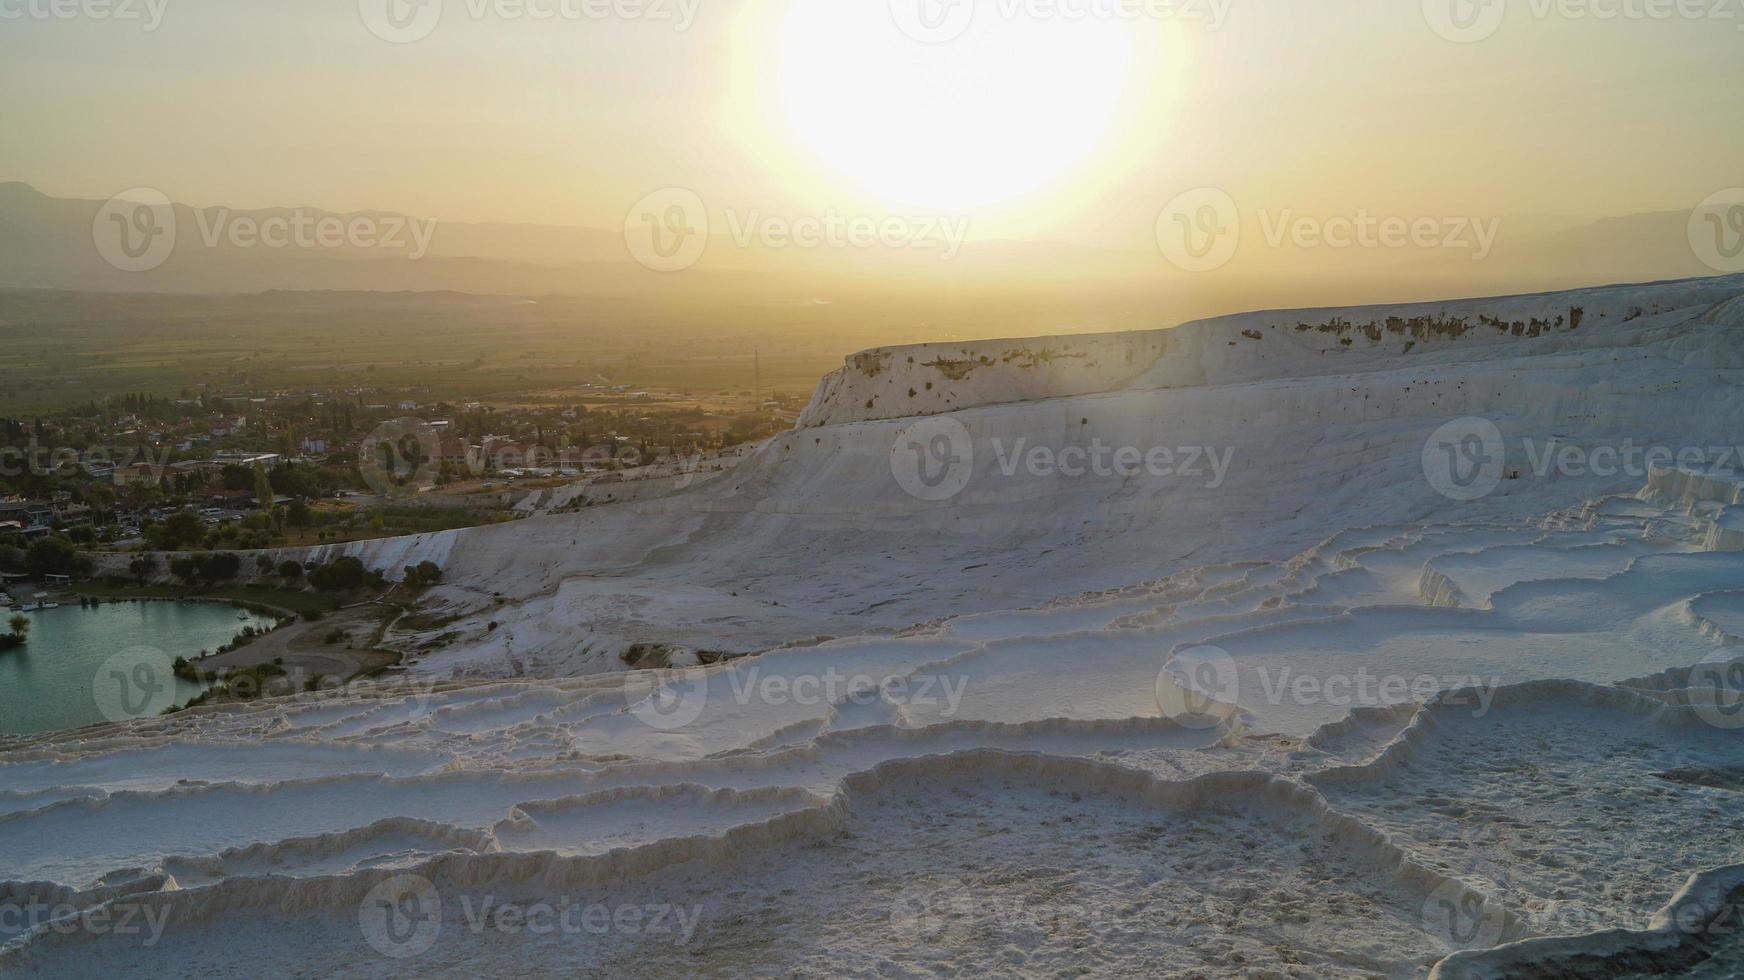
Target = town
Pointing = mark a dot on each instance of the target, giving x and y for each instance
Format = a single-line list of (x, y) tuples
[(227, 470)]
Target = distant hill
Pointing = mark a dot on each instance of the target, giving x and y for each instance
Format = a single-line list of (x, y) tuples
[(48, 243)]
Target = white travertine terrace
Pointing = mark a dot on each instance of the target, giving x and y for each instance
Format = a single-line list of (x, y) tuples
[(1479, 739)]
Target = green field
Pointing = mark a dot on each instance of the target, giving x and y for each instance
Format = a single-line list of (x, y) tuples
[(444, 348)]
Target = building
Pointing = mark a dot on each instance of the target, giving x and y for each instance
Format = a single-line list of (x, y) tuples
[(248, 460)]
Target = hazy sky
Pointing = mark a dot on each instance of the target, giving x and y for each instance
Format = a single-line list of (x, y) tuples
[(1041, 127)]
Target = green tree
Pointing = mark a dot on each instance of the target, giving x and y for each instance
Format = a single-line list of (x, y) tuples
[(142, 566), (344, 574), (423, 574), (188, 568), (20, 626), (221, 566), (263, 493), (55, 555), (180, 530)]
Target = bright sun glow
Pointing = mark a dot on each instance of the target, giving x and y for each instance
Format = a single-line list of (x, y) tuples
[(1005, 110)]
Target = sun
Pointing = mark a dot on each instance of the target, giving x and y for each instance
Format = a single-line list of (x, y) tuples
[(1006, 109)]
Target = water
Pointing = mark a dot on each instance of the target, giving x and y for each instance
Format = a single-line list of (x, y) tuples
[(109, 662)]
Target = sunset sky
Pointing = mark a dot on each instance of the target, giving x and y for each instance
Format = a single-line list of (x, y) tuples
[(1041, 129)]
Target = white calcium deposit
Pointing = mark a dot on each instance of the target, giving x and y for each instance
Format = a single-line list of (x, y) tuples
[(1319, 714)]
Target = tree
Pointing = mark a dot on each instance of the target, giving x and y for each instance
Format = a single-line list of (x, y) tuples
[(263, 493), (16, 638), (263, 564), (142, 566), (55, 555), (290, 571), (221, 566), (423, 574), (183, 528), (345, 574), (188, 568)]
